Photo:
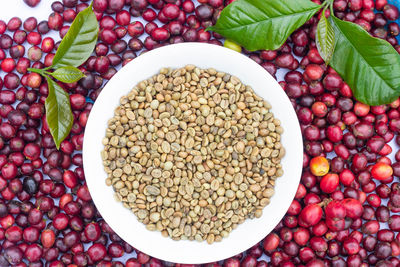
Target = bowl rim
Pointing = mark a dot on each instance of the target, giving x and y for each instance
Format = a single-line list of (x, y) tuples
[(92, 125)]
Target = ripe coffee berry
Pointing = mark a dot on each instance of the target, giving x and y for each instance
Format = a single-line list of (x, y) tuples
[(69, 15), (170, 11), (314, 72), (135, 29), (391, 12), (123, 18), (32, 3), (30, 24), (47, 44), (108, 36), (329, 183), (14, 24), (34, 80), (149, 15), (160, 34), (381, 171), (34, 38), (8, 65), (55, 21), (319, 109)]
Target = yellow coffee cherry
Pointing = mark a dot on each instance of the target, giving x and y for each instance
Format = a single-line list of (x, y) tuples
[(232, 45)]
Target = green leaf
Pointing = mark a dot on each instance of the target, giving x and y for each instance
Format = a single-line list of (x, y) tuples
[(79, 42), (263, 24), (68, 74), (370, 66), (325, 38), (58, 112)]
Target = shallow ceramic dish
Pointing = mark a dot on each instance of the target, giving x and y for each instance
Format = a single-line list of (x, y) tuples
[(123, 221)]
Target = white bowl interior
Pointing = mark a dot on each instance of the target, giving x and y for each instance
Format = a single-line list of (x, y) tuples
[(123, 221)]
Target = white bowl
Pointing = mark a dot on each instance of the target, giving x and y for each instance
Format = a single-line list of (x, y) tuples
[(123, 221)]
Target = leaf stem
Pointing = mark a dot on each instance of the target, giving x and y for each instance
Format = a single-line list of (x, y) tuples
[(326, 3), (40, 71), (326, 7)]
